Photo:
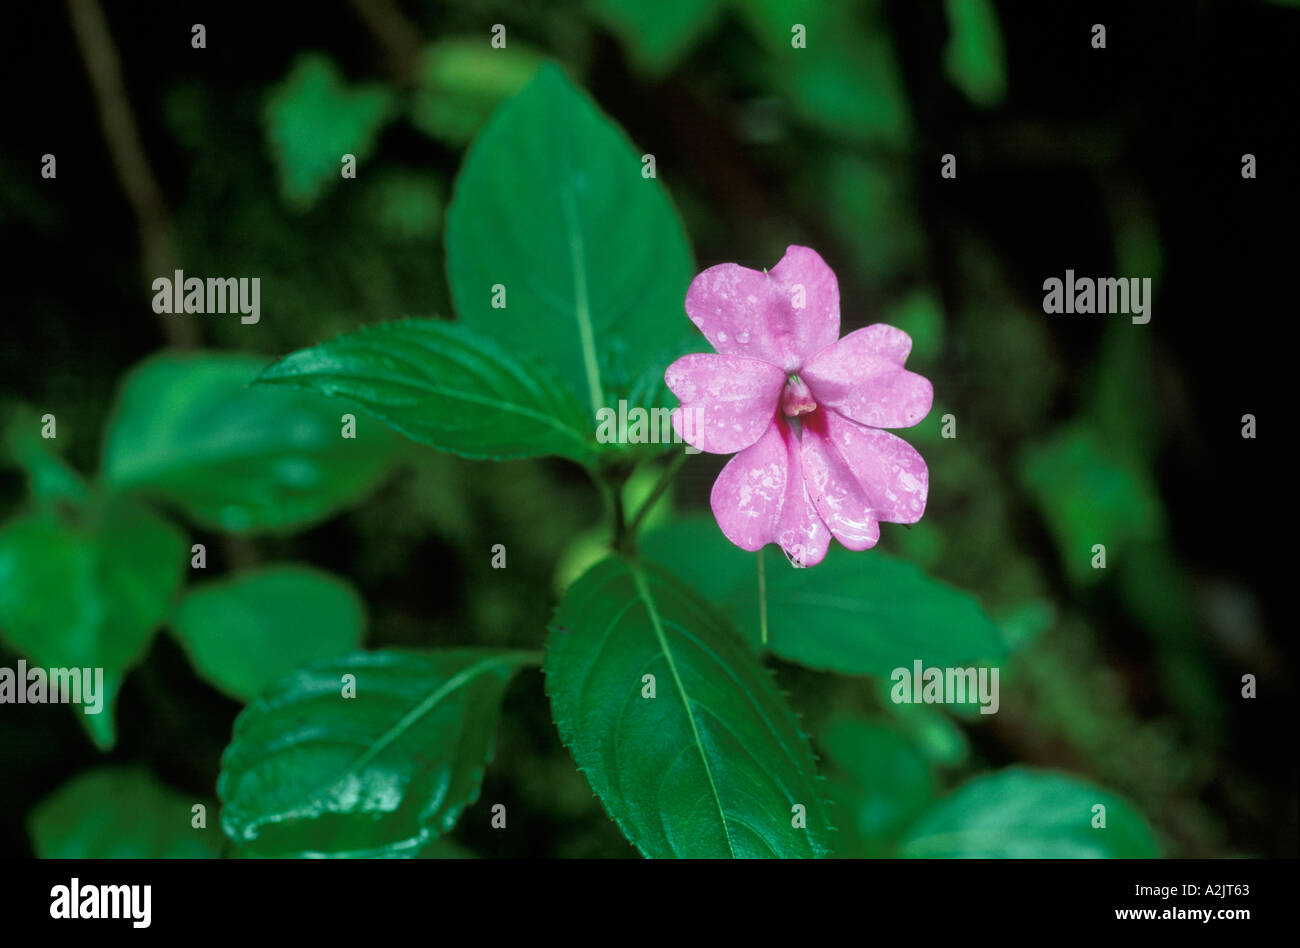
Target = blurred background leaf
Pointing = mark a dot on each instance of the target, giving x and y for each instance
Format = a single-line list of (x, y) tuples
[(880, 783), (462, 81), (1089, 497), (50, 480), (246, 632), (189, 430), (846, 78), (657, 35), (88, 594), (1025, 814), (313, 119), (973, 59), (121, 813)]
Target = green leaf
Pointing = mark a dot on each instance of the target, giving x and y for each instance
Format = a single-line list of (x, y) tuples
[(119, 813), (248, 631), (973, 60), (846, 79), (1089, 494), (867, 202), (88, 595), (1124, 408), (1021, 813), (188, 429), (920, 315), (932, 732), (861, 613), (50, 479), (462, 80), (657, 35), (869, 614), (882, 781), (445, 848), (313, 118), (447, 386), (403, 206), (1158, 593), (310, 772), (551, 204), (693, 547), (713, 764)]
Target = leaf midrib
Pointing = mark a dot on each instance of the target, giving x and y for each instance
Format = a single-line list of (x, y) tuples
[(582, 304), (404, 724), (463, 677), (643, 591)]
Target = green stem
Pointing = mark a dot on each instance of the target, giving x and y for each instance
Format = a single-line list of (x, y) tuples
[(664, 480), (762, 598), (610, 481), (620, 517)]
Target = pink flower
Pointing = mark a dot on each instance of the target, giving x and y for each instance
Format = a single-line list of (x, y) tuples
[(803, 408)]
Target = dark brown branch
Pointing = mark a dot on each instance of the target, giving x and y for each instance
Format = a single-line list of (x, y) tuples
[(399, 37), (104, 68)]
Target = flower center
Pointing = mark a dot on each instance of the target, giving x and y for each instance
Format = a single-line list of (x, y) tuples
[(796, 400)]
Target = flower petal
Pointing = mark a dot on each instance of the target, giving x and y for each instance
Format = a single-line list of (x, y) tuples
[(833, 485), (814, 293), (727, 402), (861, 379), (859, 476), (891, 471), (748, 495), (760, 498), (801, 532), (784, 316), (886, 340)]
